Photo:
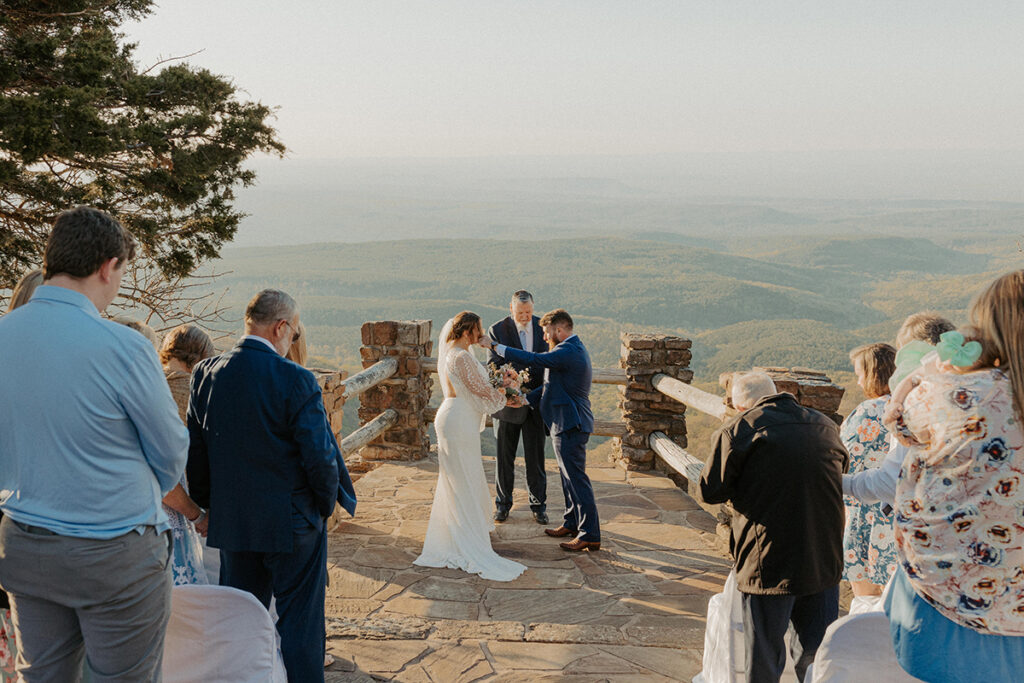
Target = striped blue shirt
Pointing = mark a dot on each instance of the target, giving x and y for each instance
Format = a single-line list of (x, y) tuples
[(90, 437)]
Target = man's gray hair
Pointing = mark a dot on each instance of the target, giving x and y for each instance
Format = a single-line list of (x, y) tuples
[(269, 306), (751, 387), (522, 296)]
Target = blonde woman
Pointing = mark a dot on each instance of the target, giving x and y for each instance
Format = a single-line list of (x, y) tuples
[(298, 352), (25, 288), (182, 348)]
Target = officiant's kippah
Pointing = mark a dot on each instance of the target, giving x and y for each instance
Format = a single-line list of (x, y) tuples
[(522, 295)]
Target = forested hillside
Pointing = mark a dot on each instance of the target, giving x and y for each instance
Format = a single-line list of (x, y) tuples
[(807, 302)]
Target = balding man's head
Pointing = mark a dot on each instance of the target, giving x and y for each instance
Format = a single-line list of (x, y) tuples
[(751, 387)]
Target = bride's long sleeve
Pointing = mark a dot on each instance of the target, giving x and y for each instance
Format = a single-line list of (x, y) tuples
[(481, 394)]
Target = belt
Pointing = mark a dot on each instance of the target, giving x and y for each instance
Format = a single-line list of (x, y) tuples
[(38, 530)]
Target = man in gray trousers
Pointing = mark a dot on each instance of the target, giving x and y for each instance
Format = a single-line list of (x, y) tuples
[(90, 441)]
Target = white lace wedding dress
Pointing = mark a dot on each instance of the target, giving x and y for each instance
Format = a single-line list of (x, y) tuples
[(458, 534)]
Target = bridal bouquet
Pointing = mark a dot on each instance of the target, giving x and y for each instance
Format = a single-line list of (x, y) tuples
[(516, 380)]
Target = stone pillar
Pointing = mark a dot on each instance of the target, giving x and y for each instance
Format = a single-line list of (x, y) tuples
[(812, 388), (407, 391), (333, 390), (644, 409)]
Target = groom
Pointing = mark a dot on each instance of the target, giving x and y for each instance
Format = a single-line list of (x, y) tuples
[(565, 407)]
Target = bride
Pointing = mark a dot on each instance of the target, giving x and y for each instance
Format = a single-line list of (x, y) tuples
[(458, 534)]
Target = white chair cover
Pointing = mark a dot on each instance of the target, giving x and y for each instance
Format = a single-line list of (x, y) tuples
[(858, 647), (217, 633)]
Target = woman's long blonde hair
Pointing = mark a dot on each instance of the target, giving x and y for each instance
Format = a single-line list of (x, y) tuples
[(298, 352), (25, 288), (998, 313)]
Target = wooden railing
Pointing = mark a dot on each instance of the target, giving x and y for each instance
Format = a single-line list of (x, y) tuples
[(369, 431), (382, 370), (691, 396), (370, 377), (357, 384), (676, 457), (600, 376)]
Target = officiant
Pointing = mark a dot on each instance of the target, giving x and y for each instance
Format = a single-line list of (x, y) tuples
[(520, 330)]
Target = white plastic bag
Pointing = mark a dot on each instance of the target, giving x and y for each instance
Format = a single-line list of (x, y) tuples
[(724, 649)]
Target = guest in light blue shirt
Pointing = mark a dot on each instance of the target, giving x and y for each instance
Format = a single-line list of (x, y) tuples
[(90, 440), (90, 434)]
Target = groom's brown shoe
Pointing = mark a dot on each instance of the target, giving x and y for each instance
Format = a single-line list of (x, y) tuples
[(560, 532), (579, 545)]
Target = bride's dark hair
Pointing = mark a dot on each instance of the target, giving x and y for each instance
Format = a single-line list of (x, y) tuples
[(462, 323)]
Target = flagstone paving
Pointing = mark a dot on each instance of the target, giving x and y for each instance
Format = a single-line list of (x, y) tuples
[(633, 611)]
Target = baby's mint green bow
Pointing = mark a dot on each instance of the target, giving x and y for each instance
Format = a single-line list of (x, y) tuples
[(953, 350)]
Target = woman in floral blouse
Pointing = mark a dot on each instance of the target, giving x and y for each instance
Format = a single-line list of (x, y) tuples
[(956, 607), (869, 547)]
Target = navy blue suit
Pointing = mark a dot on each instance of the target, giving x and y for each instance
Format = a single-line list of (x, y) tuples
[(525, 421), (564, 402), (263, 459)]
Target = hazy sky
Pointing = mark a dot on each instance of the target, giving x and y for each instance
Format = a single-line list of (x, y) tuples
[(386, 78)]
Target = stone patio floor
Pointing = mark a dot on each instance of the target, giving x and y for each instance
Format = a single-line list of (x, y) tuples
[(633, 611)]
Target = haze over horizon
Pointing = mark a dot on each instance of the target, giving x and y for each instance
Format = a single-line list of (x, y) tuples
[(387, 104)]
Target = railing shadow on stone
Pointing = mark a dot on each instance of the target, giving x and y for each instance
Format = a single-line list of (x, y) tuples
[(654, 378)]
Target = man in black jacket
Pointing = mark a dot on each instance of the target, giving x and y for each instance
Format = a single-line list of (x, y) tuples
[(780, 465)]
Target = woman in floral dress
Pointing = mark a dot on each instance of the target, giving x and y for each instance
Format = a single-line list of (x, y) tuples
[(869, 547), (182, 348)]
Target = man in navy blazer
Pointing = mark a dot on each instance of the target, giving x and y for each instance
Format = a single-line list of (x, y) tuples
[(520, 330), (564, 401), (263, 459)]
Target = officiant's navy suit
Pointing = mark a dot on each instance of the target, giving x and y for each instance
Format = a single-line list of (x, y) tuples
[(263, 459), (525, 421), (564, 401)]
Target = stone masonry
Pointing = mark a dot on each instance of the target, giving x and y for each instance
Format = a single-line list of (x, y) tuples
[(644, 409), (332, 386), (812, 388), (407, 391)]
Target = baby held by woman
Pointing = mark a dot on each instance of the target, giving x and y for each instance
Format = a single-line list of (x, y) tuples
[(958, 352)]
